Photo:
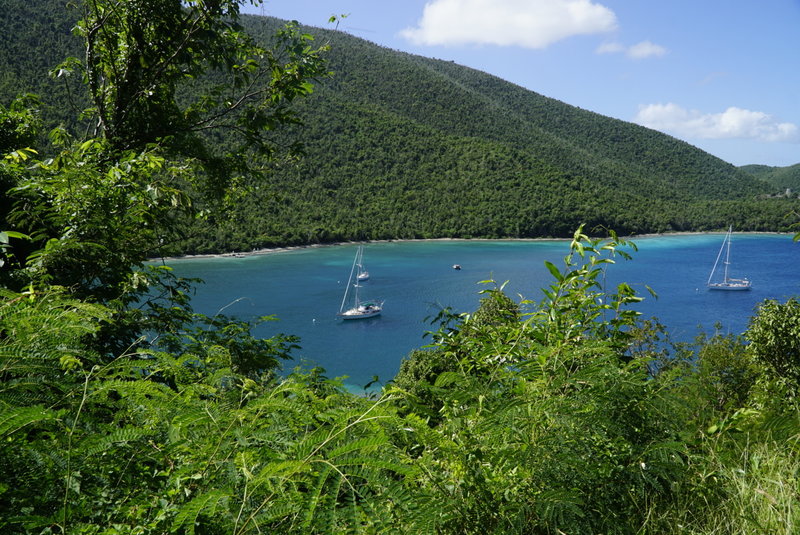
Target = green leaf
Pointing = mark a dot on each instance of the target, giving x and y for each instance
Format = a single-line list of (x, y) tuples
[(313, 497), (15, 418), (188, 514), (554, 270), (448, 378), (369, 442), (7, 234), (128, 434)]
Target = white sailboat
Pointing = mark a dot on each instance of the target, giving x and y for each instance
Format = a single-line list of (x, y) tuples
[(358, 309), (363, 274), (727, 282)]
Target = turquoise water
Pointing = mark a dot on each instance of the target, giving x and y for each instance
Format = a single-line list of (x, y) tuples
[(304, 289)]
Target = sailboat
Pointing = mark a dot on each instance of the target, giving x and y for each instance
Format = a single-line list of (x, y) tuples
[(727, 282), (363, 274), (358, 309)]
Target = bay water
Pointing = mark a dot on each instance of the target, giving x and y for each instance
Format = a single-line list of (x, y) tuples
[(304, 289)]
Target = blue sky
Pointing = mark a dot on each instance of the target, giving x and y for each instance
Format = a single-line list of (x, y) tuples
[(720, 74)]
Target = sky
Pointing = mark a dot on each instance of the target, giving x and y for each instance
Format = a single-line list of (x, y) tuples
[(721, 75)]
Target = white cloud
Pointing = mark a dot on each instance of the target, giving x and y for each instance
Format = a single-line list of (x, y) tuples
[(646, 49), (610, 48), (732, 123), (524, 23), (642, 50)]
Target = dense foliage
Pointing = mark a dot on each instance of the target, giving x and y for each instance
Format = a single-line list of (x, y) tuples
[(123, 412), (540, 419), (400, 146), (783, 178)]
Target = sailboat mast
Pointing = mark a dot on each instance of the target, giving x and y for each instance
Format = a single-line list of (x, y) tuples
[(728, 253), (727, 283), (347, 289), (716, 262)]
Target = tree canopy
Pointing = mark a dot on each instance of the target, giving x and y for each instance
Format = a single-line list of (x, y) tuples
[(396, 146)]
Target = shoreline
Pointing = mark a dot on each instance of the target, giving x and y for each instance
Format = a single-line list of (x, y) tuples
[(271, 250)]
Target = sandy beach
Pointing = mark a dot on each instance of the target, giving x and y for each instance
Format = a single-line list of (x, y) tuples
[(271, 250)]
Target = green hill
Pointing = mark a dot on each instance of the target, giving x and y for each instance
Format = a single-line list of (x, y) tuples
[(402, 146), (780, 177), (35, 37)]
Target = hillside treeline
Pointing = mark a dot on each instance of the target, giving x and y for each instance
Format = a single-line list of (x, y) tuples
[(426, 184), (401, 146), (781, 178)]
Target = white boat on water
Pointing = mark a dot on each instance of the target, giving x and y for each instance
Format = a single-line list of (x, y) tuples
[(727, 282), (363, 274), (357, 309)]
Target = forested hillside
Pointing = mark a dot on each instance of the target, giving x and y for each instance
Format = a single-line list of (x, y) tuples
[(34, 38), (402, 146), (780, 177)]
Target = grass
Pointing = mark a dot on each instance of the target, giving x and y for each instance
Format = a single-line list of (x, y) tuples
[(756, 491)]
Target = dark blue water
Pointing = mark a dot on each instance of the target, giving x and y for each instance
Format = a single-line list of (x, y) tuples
[(304, 288)]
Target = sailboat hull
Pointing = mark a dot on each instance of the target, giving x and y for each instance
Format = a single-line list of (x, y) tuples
[(361, 311), (730, 286)]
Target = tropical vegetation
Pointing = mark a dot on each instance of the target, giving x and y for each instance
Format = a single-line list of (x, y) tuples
[(787, 179), (124, 412), (402, 146)]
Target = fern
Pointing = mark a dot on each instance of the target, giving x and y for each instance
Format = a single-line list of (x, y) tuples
[(556, 507), (366, 444), (187, 517), (315, 494), (97, 445), (13, 419)]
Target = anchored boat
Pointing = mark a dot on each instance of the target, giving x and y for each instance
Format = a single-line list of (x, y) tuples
[(727, 282), (357, 309)]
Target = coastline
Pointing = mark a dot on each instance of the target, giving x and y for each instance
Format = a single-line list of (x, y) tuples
[(272, 250)]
